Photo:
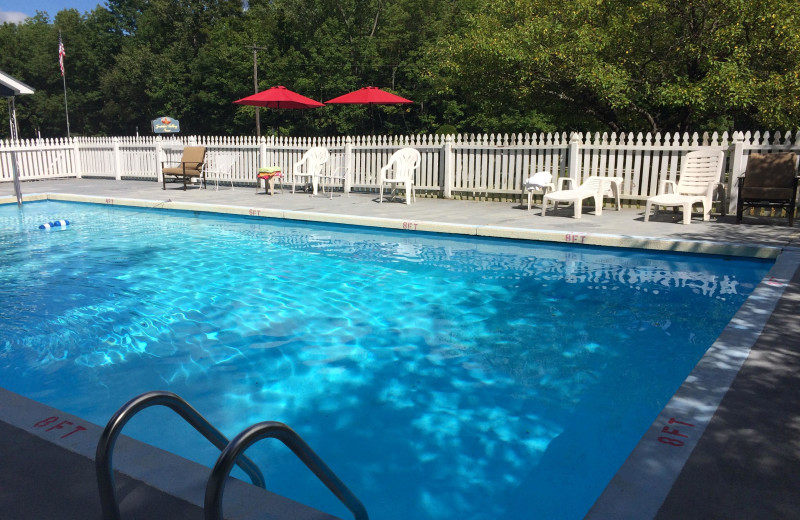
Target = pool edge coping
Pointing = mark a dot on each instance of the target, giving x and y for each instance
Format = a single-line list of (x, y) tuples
[(642, 484), (530, 234)]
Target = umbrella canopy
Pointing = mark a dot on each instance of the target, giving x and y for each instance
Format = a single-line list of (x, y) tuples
[(279, 97), (370, 96)]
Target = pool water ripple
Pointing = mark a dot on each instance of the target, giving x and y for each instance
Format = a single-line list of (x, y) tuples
[(440, 377)]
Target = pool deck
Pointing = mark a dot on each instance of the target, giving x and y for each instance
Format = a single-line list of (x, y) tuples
[(725, 447)]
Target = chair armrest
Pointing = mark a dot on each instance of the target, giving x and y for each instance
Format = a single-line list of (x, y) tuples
[(200, 166), (668, 187), (712, 185), (297, 168), (336, 173), (563, 181), (382, 175)]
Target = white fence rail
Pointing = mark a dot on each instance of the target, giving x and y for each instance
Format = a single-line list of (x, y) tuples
[(452, 166)]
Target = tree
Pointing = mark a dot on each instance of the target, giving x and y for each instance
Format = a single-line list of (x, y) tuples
[(626, 65)]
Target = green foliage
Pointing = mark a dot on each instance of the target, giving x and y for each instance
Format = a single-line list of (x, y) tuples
[(505, 66)]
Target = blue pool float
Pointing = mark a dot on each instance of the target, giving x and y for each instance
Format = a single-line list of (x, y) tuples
[(57, 224)]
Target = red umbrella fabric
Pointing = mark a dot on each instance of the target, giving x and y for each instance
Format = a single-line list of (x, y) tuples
[(279, 97), (370, 96)]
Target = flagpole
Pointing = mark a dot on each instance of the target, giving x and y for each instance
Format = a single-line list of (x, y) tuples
[(66, 108), (61, 55)]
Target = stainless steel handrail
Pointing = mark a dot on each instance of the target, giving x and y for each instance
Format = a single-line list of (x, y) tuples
[(105, 446), (216, 482)]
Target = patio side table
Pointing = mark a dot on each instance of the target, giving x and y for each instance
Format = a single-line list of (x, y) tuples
[(269, 174)]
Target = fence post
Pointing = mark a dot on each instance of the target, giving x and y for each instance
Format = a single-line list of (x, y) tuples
[(348, 164), (77, 167), (574, 149), (117, 160), (737, 170), (159, 153), (449, 167), (262, 153)]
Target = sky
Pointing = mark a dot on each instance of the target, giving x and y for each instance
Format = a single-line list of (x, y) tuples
[(16, 10)]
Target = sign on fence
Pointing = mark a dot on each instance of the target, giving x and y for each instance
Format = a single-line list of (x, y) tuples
[(165, 125)]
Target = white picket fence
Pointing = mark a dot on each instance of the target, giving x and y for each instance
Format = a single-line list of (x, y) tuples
[(491, 166)]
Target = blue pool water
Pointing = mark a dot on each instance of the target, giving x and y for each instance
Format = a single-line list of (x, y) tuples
[(440, 377)]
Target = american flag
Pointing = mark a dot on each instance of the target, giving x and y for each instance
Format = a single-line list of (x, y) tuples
[(61, 54)]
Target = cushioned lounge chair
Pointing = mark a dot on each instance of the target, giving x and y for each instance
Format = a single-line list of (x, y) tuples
[(770, 180), (189, 167), (700, 176)]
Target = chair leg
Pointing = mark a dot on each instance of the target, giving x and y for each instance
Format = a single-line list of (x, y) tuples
[(530, 196), (687, 213), (544, 205), (578, 208), (647, 205), (380, 197)]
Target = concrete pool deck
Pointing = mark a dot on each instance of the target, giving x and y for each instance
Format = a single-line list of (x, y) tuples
[(743, 461)]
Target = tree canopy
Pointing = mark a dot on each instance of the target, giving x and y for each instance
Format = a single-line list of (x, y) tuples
[(502, 66)]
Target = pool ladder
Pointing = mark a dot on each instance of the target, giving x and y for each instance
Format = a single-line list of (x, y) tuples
[(231, 453)]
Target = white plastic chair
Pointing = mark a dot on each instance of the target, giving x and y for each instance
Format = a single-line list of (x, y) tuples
[(400, 170), (594, 187), (701, 172), (540, 182), (310, 166), (220, 167)]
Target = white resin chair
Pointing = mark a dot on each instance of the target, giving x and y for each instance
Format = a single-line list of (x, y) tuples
[(400, 170), (310, 167), (701, 172), (594, 187), (220, 167), (540, 182)]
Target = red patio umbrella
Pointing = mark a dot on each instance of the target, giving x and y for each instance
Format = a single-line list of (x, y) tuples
[(370, 96), (279, 97)]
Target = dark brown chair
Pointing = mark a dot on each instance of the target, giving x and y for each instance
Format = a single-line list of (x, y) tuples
[(189, 167), (770, 181)]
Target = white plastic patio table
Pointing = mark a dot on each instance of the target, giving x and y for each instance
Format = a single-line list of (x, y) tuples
[(544, 188)]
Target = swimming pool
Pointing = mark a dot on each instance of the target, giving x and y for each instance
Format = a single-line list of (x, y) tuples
[(440, 377)]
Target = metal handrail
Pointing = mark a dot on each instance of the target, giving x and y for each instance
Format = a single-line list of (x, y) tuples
[(280, 431), (105, 446)]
